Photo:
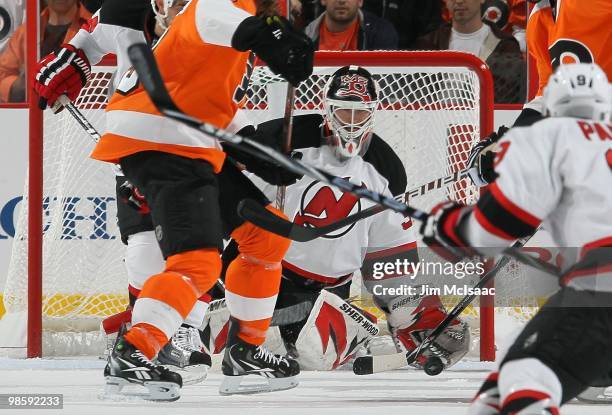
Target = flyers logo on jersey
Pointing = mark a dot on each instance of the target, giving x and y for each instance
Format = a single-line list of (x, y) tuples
[(319, 206), (354, 86)]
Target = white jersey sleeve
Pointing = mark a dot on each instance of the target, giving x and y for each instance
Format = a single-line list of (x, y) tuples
[(559, 172), (112, 30)]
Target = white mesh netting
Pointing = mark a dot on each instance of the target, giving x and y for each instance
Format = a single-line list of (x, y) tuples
[(429, 115)]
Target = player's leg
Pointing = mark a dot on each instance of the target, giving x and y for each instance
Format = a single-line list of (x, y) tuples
[(564, 349), (143, 258), (183, 197), (252, 282)]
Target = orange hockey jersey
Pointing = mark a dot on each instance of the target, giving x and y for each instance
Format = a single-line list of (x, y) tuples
[(578, 31), (205, 76)]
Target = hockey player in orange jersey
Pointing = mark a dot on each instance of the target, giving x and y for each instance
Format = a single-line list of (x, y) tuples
[(205, 62)]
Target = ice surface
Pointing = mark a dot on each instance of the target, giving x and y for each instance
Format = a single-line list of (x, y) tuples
[(320, 393)]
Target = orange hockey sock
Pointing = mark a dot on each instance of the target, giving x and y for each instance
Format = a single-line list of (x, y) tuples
[(252, 280)]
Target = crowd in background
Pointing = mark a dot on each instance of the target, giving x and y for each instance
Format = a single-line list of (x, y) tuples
[(493, 30)]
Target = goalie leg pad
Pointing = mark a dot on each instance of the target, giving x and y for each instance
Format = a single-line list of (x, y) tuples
[(333, 333)]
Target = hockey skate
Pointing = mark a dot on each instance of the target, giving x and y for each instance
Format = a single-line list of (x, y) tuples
[(127, 366), (183, 354), (242, 359)]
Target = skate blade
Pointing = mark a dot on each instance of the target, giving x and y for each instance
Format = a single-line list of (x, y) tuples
[(192, 374), (231, 385), (596, 395), (119, 389)]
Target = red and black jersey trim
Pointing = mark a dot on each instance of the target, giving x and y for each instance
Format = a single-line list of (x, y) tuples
[(503, 218), (596, 260)]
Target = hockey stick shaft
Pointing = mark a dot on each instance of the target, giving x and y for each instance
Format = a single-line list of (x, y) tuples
[(78, 116), (150, 77), (287, 134), (253, 212), (367, 365)]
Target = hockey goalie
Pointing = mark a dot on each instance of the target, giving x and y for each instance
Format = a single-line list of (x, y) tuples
[(318, 325)]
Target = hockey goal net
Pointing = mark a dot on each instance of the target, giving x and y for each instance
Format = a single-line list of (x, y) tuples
[(433, 107)]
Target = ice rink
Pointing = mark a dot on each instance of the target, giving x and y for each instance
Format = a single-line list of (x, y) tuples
[(403, 391)]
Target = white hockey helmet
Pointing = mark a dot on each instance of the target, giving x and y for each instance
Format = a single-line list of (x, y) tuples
[(350, 98), (579, 90), (162, 15)]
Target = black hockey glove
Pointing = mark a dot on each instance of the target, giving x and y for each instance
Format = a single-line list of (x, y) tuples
[(286, 50), (130, 195), (480, 160), (440, 231)]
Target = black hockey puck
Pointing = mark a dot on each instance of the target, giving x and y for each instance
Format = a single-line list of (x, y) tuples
[(433, 366)]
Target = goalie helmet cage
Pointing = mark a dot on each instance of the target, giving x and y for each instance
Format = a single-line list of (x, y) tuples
[(433, 107)]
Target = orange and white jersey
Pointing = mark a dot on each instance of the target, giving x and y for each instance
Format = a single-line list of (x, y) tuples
[(577, 31), (557, 171), (205, 76)]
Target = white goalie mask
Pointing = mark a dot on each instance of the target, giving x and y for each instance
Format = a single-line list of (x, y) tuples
[(350, 98), (579, 90), (161, 16)]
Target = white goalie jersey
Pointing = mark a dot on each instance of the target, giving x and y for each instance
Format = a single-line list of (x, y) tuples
[(558, 171), (333, 258)]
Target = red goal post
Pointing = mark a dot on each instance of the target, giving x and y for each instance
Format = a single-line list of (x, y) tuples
[(433, 107)]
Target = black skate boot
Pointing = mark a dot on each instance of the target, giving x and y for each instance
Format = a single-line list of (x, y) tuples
[(127, 365), (183, 354), (242, 359)]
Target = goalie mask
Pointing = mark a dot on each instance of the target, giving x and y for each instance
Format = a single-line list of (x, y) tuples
[(350, 98)]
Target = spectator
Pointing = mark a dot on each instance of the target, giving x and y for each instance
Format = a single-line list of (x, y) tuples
[(344, 26), (12, 13), (60, 21), (466, 32), (411, 18)]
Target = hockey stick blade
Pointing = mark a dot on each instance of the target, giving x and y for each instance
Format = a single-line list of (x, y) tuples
[(257, 214), (145, 65)]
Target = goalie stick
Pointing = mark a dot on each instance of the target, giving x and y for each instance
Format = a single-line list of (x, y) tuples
[(367, 365), (144, 63)]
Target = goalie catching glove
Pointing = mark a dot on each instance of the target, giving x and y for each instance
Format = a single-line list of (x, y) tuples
[(482, 155), (64, 72), (287, 51), (412, 318), (440, 231)]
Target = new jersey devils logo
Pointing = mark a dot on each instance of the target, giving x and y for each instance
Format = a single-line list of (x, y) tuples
[(354, 86), (319, 206)]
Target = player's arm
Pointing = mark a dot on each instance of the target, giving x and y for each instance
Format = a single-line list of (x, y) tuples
[(306, 134), (388, 164), (286, 50), (115, 27), (526, 190)]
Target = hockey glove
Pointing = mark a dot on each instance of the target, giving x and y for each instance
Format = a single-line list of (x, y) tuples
[(271, 173), (440, 231), (480, 160), (129, 194), (65, 72), (287, 51)]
